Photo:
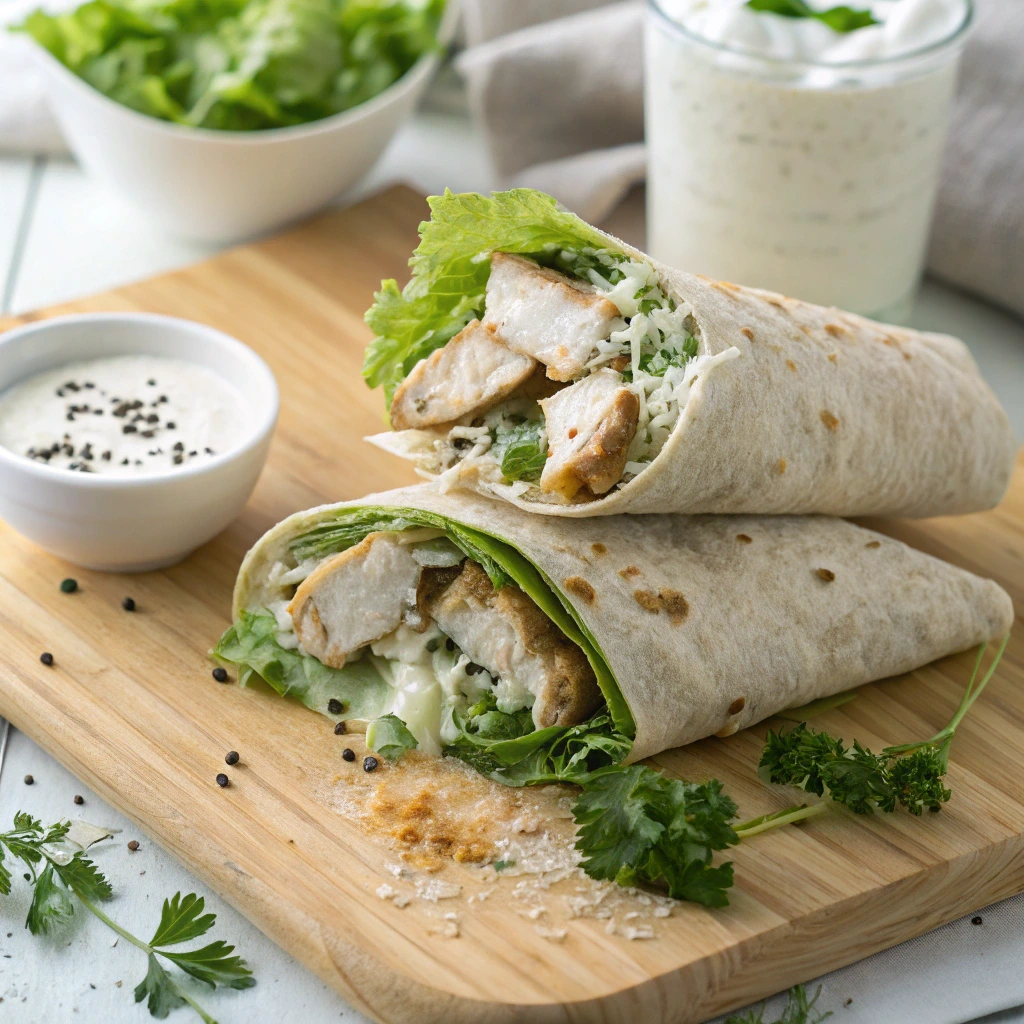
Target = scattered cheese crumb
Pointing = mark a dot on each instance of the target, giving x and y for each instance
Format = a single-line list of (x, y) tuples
[(551, 934), (438, 889)]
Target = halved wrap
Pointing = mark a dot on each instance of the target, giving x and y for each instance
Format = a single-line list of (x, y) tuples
[(536, 648), (538, 359)]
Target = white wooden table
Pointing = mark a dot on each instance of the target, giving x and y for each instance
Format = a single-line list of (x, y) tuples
[(62, 235)]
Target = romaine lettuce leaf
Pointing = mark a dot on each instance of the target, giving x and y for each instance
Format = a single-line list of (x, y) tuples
[(251, 645), (450, 268), (240, 65)]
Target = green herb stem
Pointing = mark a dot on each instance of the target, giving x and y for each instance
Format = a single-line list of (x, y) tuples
[(788, 816)]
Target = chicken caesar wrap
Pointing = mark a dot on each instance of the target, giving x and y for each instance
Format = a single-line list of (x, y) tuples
[(537, 649), (535, 358)]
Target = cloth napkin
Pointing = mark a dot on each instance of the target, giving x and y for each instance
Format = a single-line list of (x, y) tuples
[(556, 88)]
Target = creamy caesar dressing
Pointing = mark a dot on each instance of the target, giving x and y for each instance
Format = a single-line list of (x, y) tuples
[(123, 416), (775, 161)]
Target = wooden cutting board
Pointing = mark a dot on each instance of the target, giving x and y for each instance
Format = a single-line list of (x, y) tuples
[(130, 707)]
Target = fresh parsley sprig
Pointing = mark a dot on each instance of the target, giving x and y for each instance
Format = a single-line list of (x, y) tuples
[(799, 1010), (909, 775), (839, 19), (638, 827), (57, 871)]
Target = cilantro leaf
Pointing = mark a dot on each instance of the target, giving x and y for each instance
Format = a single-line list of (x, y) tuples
[(159, 990), (182, 919), (840, 19), (214, 965), (390, 737), (51, 903)]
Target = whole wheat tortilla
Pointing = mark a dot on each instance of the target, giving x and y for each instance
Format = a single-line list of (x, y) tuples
[(712, 623), (824, 412)]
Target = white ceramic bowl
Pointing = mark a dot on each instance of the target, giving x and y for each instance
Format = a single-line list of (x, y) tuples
[(132, 524), (225, 186)]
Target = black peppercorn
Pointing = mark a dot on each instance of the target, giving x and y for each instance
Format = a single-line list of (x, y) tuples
[(370, 764), (133, 845), (223, 780), (79, 799), (68, 586), (335, 706), (128, 604), (46, 658), (348, 754), (339, 729), (231, 757), (29, 780), (220, 674), (449, 644)]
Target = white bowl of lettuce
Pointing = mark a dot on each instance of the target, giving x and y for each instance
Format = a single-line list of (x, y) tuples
[(224, 119)]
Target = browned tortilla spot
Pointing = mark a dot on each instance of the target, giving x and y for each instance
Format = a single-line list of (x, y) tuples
[(791, 365), (830, 421), (825, 574), (833, 356), (743, 538), (747, 332), (781, 466), (581, 588), (835, 330), (674, 604), (599, 548), (906, 355), (775, 303), (737, 705), (629, 572), (647, 600), (873, 544)]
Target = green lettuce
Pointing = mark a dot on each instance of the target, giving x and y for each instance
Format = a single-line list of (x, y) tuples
[(508, 749), (239, 65), (504, 746), (390, 737), (450, 268), (251, 645), (521, 451)]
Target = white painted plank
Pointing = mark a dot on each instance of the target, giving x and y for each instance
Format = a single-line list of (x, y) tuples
[(83, 977), (85, 239), (15, 173)]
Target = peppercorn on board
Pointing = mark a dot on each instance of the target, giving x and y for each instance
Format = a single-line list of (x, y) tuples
[(131, 707)]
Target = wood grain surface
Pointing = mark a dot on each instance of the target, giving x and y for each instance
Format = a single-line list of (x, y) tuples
[(130, 707)]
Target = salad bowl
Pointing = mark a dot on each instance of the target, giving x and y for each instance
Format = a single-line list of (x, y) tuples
[(225, 186)]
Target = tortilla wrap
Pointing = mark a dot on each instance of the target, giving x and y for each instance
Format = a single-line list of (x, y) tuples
[(710, 624), (821, 411)]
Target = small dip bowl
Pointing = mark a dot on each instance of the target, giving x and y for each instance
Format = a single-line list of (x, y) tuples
[(138, 523)]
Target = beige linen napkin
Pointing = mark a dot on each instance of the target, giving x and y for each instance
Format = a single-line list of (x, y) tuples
[(559, 100)]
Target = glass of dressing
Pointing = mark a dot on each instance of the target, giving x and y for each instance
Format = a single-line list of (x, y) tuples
[(786, 155)]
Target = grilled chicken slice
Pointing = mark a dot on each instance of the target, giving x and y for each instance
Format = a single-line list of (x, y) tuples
[(505, 632), (547, 315), (590, 427), (355, 597), (473, 371)]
